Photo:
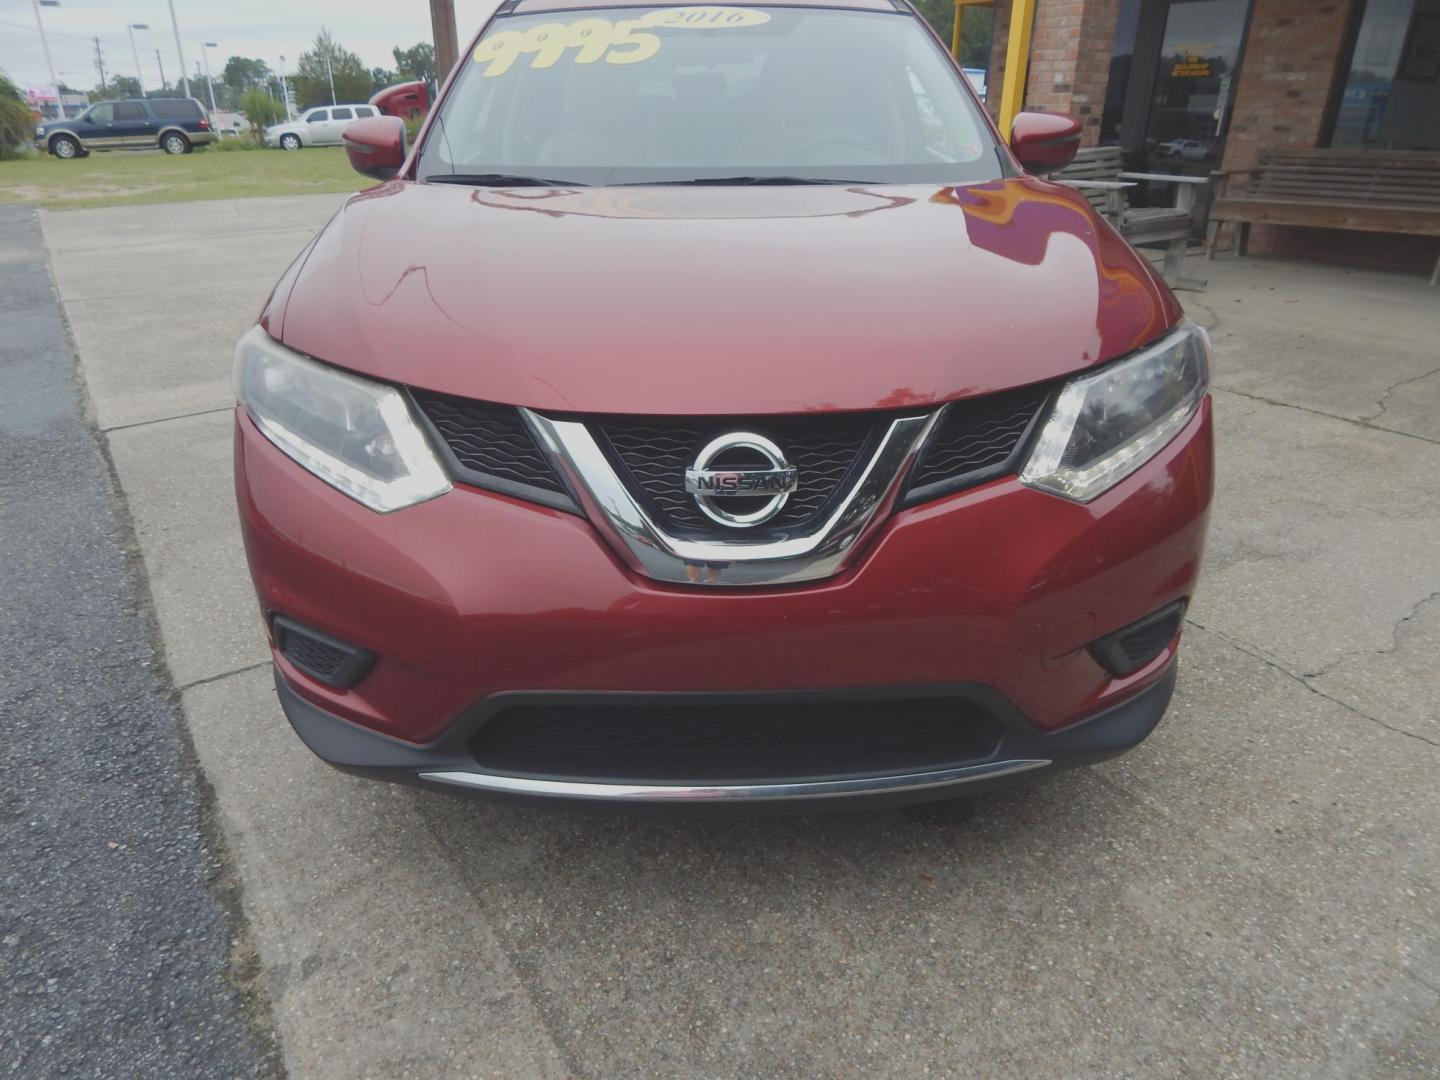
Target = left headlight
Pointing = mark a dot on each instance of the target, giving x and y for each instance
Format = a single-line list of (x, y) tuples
[(356, 435), (1106, 425)]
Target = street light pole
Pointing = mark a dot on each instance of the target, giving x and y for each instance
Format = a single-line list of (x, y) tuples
[(205, 48), (329, 74), (285, 91), (161, 65), (139, 74), (45, 42), (174, 25)]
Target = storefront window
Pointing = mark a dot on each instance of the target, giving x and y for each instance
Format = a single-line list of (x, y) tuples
[(1391, 99)]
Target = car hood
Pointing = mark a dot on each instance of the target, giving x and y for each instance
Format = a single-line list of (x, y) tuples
[(719, 300)]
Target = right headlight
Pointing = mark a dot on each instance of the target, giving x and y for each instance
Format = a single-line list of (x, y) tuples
[(1106, 425), (355, 434)]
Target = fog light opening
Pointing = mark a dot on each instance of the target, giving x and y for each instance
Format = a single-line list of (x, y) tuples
[(1130, 648), (324, 658)]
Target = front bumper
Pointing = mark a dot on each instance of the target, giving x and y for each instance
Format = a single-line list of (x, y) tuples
[(447, 764), (474, 595)]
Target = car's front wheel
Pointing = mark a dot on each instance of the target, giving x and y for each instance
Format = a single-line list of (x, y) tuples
[(64, 146), (290, 142), (175, 143)]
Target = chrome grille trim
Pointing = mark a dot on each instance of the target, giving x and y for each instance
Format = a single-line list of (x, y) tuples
[(649, 549)]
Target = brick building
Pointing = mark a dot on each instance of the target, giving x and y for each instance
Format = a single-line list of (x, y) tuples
[(1197, 85)]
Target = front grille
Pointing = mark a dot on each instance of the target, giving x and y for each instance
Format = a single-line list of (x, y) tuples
[(711, 742), (654, 453), (978, 438), (488, 442), (490, 446)]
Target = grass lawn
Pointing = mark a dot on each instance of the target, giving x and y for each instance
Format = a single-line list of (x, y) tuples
[(121, 178)]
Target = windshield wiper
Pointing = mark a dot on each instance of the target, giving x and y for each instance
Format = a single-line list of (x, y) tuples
[(500, 180), (737, 181)]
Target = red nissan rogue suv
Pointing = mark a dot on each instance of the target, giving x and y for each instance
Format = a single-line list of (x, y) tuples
[(711, 409)]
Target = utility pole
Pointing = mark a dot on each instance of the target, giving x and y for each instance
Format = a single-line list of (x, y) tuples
[(442, 28), (185, 83), (100, 63), (45, 44), (329, 74), (161, 65), (139, 74)]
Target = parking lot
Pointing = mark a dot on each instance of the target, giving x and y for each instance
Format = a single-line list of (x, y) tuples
[(1254, 891)]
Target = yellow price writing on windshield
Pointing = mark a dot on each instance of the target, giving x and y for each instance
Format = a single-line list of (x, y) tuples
[(586, 41)]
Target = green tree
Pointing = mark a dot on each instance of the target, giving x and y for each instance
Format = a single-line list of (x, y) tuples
[(241, 74), (124, 86), (380, 78), (260, 109), (975, 38), (416, 62), (17, 122), (311, 82)]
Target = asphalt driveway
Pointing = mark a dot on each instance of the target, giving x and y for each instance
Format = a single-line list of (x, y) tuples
[(1252, 892)]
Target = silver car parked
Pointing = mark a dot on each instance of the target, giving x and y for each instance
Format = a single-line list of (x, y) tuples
[(320, 126)]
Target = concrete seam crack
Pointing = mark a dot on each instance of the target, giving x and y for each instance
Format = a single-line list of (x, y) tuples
[(167, 419), (223, 675), (1384, 400), (1363, 424), (1254, 653), (1394, 642)]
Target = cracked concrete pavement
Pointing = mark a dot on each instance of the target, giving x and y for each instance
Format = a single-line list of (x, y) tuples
[(1254, 891)]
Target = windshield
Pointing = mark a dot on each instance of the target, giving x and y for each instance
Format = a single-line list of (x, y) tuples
[(708, 94)]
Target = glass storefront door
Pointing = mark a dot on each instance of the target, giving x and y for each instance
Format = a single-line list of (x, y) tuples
[(1172, 77), (1190, 103)]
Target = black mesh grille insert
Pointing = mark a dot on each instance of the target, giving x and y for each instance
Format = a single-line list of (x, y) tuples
[(735, 742), (1143, 645), (490, 440), (328, 659), (656, 451), (978, 438), (1131, 647), (310, 655)]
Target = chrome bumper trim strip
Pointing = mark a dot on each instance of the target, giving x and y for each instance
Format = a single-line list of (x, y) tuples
[(672, 793)]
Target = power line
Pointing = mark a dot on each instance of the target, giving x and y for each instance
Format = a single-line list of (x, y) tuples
[(56, 33)]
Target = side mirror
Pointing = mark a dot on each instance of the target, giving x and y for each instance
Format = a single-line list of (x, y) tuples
[(375, 146), (1044, 142)]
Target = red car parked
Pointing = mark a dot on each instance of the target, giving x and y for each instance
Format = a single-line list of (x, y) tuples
[(711, 409)]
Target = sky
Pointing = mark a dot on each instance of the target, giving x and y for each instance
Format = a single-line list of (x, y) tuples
[(264, 29)]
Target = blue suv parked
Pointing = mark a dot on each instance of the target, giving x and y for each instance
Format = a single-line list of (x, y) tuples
[(175, 125)]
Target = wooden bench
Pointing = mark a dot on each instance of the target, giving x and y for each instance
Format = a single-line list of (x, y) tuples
[(1098, 171), (1363, 190)]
